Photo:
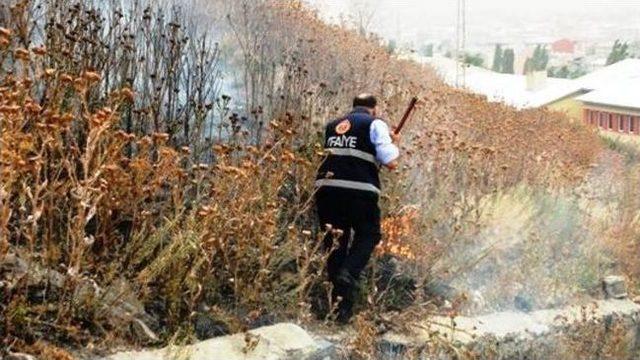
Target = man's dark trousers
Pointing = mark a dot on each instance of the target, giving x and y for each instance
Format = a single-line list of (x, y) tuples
[(347, 210)]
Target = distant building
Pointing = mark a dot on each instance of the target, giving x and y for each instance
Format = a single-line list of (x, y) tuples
[(615, 107), (563, 46), (608, 97), (521, 91), (570, 97)]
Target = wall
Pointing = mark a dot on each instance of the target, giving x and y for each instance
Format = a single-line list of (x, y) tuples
[(569, 105), (613, 119), (601, 329)]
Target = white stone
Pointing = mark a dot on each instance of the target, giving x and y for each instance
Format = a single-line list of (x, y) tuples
[(142, 332), (19, 356), (614, 287), (277, 342), (526, 325)]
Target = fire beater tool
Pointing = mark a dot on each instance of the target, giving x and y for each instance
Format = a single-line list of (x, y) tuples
[(407, 113)]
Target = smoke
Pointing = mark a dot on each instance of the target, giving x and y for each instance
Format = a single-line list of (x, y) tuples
[(537, 248)]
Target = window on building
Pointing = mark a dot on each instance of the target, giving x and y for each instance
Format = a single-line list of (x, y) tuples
[(611, 121), (603, 120), (620, 122), (630, 124)]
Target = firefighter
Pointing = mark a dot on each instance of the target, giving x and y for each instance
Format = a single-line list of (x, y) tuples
[(348, 188)]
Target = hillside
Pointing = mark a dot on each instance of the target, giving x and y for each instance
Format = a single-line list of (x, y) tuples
[(157, 166)]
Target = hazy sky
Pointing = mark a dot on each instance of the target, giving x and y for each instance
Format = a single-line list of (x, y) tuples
[(444, 6), (572, 18)]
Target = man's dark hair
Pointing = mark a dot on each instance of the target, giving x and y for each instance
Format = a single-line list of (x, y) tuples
[(365, 100)]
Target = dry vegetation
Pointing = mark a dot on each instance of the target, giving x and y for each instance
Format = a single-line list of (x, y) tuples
[(618, 204), (124, 159)]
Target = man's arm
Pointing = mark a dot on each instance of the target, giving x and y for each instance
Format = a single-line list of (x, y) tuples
[(395, 139), (387, 152)]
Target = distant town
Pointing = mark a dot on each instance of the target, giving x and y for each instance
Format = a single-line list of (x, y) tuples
[(561, 57), (550, 61), (568, 39)]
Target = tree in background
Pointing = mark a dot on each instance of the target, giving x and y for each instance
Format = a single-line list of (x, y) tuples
[(497, 59), (560, 72), (427, 50), (619, 52), (392, 46), (503, 60), (508, 61), (474, 59), (363, 14), (634, 49), (539, 60), (573, 70)]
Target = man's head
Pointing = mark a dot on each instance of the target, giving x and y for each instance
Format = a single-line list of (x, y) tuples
[(367, 101)]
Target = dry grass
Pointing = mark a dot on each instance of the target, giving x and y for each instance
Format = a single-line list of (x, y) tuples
[(620, 203), (122, 158)]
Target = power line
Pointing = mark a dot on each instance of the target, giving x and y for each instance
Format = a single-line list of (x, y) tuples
[(461, 43)]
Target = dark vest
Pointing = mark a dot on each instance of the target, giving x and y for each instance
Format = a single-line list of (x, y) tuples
[(351, 160)]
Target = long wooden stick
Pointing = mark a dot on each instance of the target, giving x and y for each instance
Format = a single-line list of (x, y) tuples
[(406, 115)]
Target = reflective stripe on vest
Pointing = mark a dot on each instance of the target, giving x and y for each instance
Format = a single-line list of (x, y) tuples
[(346, 184), (352, 152)]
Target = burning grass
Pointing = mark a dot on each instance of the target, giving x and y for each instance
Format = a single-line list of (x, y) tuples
[(122, 159)]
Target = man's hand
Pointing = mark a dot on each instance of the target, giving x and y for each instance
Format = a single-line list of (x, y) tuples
[(392, 165), (395, 137)]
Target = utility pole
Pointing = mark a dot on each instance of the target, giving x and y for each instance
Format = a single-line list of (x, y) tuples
[(461, 43)]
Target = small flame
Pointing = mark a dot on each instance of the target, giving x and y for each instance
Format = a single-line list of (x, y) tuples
[(395, 230)]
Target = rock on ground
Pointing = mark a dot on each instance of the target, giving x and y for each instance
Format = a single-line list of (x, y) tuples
[(606, 327), (19, 356), (276, 342), (614, 287)]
